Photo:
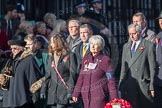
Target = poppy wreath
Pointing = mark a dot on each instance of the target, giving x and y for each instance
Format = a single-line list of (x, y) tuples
[(118, 103)]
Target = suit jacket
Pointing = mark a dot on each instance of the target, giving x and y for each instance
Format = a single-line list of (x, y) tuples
[(73, 43), (78, 51), (149, 35), (158, 75), (137, 72)]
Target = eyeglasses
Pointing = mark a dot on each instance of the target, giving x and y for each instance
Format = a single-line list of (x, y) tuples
[(14, 48)]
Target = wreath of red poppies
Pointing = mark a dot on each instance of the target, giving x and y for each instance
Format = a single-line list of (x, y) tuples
[(118, 103)]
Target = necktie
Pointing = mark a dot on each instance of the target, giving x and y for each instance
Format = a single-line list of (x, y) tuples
[(84, 50), (9, 28), (133, 49)]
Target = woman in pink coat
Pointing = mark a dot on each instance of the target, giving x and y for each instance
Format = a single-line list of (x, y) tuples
[(96, 82)]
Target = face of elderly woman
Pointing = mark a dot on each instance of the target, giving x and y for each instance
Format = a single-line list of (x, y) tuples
[(15, 49), (95, 48)]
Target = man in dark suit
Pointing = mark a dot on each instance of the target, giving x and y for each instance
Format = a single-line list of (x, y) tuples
[(138, 69), (83, 48), (158, 75)]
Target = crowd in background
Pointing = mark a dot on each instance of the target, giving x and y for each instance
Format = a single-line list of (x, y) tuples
[(74, 59)]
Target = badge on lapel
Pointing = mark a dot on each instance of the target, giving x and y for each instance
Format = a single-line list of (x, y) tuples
[(141, 48)]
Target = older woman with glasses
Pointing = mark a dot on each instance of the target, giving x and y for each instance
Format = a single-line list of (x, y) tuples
[(18, 75), (96, 82)]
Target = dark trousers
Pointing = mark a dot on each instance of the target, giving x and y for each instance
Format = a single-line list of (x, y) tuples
[(158, 97), (27, 105), (57, 106)]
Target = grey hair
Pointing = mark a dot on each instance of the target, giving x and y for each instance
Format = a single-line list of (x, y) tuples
[(140, 14), (137, 27), (87, 26), (74, 20), (48, 16), (97, 39)]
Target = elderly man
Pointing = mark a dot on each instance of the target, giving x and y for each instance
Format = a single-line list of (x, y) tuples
[(158, 75), (73, 39), (138, 69), (139, 19)]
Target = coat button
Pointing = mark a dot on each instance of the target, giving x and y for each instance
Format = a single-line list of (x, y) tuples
[(159, 67)]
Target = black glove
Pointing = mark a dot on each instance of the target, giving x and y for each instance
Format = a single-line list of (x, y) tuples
[(69, 96), (42, 96)]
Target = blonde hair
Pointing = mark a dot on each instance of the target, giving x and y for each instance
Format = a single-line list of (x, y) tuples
[(29, 37), (24, 25)]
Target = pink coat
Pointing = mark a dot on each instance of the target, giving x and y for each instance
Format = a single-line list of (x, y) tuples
[(94, 86)]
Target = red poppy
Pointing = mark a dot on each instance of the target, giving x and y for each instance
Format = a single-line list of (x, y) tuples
[(118, 102), (65, 59), (157, 40), (85, 62), (141, 48)]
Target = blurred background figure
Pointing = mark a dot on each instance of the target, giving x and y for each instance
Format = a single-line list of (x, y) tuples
[(49, 19), (9, 21), (60, 27), (26, 27)]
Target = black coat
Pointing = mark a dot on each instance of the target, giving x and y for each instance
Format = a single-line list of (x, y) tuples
[(24, 75), (158, 75), (56, 91)]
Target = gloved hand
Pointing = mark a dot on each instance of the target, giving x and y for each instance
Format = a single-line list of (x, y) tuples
[(42, 96), (69, 96)]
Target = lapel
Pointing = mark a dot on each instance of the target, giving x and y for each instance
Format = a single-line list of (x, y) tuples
[(81, 50), (128, 49), (138, 52)]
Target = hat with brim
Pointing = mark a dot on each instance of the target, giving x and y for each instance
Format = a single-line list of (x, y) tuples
[(17, 40), (80, 4), (95, 1), (160, 16)]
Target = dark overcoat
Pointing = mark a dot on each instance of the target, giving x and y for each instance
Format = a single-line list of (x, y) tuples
[(137, 74), (56, 91), (158, 75), (24, 75), (93, 84)]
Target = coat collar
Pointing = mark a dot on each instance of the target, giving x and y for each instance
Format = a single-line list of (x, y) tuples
[(137, 54)]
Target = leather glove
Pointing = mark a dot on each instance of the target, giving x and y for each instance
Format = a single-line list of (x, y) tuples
[(69, 96), (42, 96)]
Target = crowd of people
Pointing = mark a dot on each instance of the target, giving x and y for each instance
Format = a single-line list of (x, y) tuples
[(73, 61)]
